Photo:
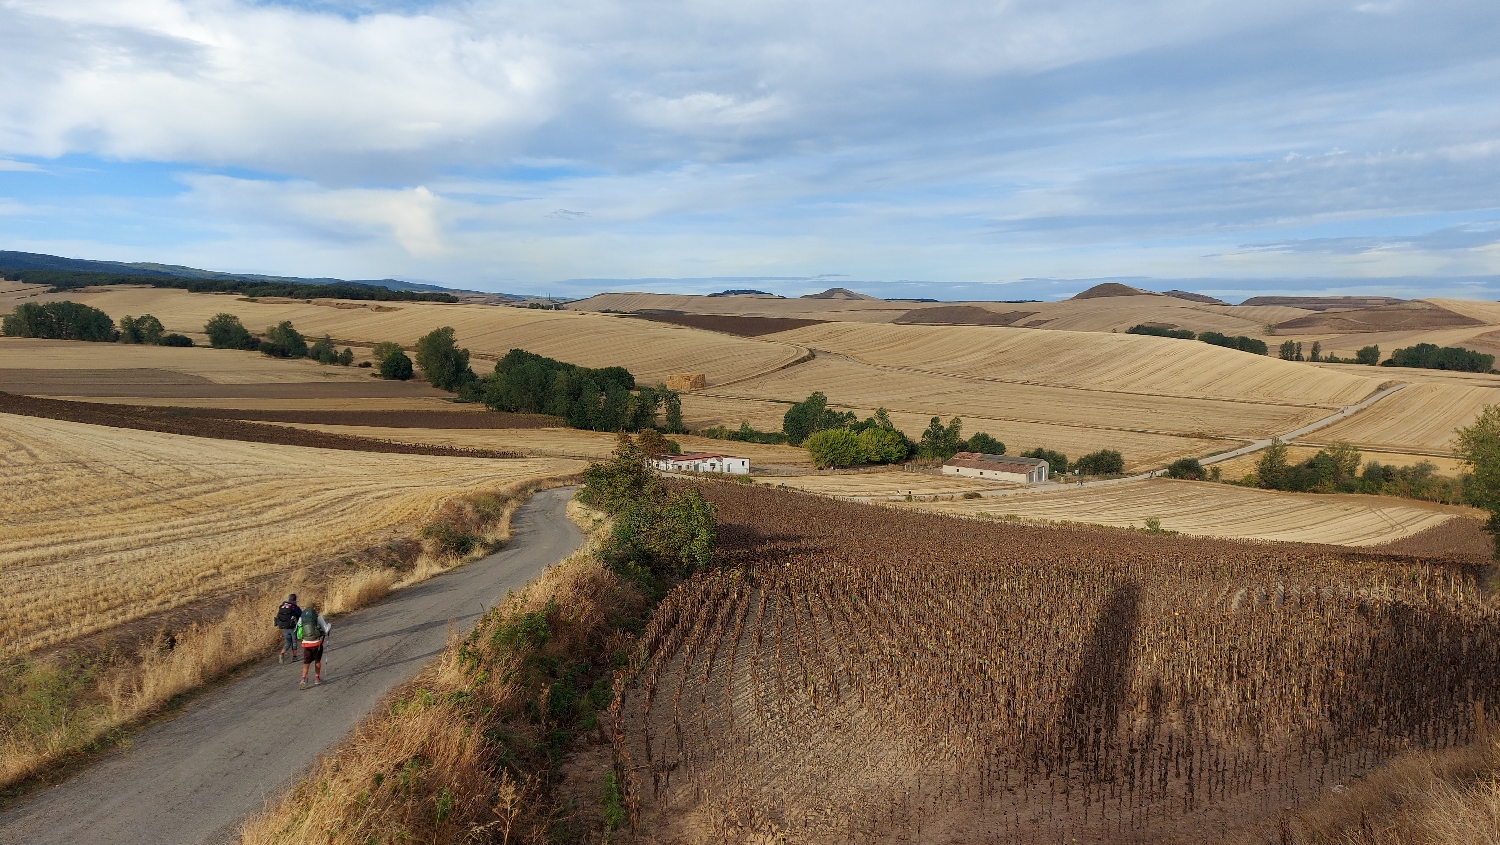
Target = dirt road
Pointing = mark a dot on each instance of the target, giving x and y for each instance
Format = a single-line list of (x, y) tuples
[(194, 779)]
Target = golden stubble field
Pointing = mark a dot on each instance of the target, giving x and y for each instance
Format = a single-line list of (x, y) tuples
[(651, 351), (1219, 510), (105, 525)]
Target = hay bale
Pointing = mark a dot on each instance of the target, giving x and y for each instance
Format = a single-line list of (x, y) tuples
[(686, 381)]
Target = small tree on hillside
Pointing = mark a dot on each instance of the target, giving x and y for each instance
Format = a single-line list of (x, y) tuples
[(810, 415), (225, 331), (323, 352), (671, 402), (1271, 469), (1057, 462), (1102, 462), (1187, 469), (443, 363), (941, 442), (283, 341), (379, 351), (1367, 355), (142, 329)]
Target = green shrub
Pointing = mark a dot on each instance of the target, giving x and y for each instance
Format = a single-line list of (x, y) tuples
[(1240, 342), (810, 415), (176, 340), (1368, 355), (834, 447), (1057, 462), (396, 366)]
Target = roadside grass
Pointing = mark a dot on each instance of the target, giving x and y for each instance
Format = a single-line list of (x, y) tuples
[(1449, 797), (470, 750), (77, 701)]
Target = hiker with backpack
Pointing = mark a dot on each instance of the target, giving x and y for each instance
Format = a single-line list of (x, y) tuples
[(312, 632), (286, 620)]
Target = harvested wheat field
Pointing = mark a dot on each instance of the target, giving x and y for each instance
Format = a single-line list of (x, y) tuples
[(651, 351), (1219, 510), (57, 358), (562, 442), (108, 525), (1159, 367), (1419, 419), (860, 385), (857, 674)]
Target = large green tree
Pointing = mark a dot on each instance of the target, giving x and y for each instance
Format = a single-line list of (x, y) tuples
[(810, 415), (59, 321), (443, 363), (1271, 468), (1478, 446)]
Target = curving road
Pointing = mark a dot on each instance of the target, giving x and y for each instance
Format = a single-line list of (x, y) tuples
[(194, 779)]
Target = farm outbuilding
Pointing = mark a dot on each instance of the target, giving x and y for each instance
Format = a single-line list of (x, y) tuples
[(703, 462), (997, 467)]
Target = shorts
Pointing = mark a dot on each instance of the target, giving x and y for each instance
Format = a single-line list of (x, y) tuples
[(288, 639), (312, 653)]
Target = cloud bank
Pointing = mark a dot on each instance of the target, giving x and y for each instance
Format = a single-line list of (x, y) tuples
[(514, 145)]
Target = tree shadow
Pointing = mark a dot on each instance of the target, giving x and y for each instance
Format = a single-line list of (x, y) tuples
[(1101, 686)]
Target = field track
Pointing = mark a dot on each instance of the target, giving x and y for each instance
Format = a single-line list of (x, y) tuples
[(192, 780)]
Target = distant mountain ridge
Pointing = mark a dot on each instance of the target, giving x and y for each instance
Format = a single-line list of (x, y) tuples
[(12, 260)]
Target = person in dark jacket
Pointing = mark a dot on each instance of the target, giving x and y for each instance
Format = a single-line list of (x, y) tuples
[(287, 617)]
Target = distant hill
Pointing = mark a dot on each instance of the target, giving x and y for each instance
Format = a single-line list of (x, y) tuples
[(1113, 289), (840, 293), (11, 260), (747, 293)]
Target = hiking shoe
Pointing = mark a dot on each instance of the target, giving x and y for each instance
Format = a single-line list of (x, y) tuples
[(317, 681), (302, 684)]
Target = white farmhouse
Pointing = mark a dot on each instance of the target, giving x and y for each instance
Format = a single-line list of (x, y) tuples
[(702, 462), (997, 468)]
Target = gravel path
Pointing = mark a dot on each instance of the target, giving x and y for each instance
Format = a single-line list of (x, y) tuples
[(195, 778)]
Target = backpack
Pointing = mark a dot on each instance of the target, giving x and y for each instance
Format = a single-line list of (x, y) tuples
[(284, 618), (311, 631)]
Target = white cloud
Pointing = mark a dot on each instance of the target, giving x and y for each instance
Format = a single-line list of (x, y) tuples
[(8, 165), (410, 217)]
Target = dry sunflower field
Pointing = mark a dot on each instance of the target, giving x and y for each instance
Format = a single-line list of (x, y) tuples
[(108, 525), (862, 675)]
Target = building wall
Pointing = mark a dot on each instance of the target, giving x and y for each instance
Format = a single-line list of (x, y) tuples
[(988, 474)]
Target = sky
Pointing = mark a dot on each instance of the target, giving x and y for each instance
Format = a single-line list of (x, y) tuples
[(1008, 149)]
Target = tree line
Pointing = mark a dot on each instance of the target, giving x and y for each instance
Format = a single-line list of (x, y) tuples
[(74, 321), (61, 280), (1240, 342), (225, 331)]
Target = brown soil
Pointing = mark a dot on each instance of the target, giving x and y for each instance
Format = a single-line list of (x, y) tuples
[(960, 315), (167, 384), (1457, 538), (729, 324), (1323, 303), (381, 419), (181, 421), (1113, 289), (1405, 316)]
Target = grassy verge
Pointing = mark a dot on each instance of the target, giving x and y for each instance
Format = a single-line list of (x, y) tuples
[(1447, 797), (471, 750), (77, 701)]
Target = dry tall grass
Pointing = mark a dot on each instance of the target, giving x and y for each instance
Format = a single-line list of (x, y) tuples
[(464, 752), (104, 526), (1424, 798)]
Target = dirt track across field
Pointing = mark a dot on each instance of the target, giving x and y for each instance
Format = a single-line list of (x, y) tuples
[(194, 779), (192, 423)]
